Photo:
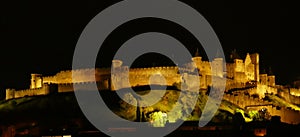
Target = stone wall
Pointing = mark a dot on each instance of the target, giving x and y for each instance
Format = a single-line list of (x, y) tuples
[(12, 93), (80, 75), (295, 92), (258, 89), (287, 115), (288, 97), (243, 100), (141, 76)]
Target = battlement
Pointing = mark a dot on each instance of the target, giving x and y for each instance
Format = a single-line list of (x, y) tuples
[(295, 92), (287, 115), (86, 86), (242, 78), (45, 89), (243, 101), (238, 73), (156, 68), (289, 97)]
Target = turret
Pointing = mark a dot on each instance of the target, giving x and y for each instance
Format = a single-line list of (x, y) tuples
[(116, 63), (217, 67), (263, 78), (10, 94), (255, 61), (271, 78), (36, 81), (197, 59)]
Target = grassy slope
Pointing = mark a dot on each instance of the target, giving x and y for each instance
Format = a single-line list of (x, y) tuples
[(64, 105), (49, 107)]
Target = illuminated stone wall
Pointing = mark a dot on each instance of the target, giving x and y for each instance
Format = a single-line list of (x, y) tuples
[(295, 92), (289, 97), (239, 71), (238, 74), (36, 81), (262, 89), (243, 100), (287, 115), (81, 75), (12, 93), (230, 70), (271, 80), (255, 61), (244, 70), (249, 68), (263, 79), (85, 86), (239, 65), (218, 67), (141, 76)]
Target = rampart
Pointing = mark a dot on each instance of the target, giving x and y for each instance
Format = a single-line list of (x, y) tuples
[(289, 97), (80, 75), (45, 89), (287, 115), (162, 75), (242, 100), (85, 86), (258, 89), (56, 88), (295, 92)]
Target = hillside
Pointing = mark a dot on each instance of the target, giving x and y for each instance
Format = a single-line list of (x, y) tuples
[(64, 105)]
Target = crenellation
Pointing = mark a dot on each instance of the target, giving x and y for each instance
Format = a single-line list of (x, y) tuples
[(242, 78)]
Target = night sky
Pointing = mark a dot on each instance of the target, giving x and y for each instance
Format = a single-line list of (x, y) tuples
[(40, 37)]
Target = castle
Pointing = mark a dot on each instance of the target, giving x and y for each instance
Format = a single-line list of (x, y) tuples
[(241, 75), (238, 74)]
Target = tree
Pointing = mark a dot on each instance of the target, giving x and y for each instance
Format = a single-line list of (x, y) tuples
[(238, 120)]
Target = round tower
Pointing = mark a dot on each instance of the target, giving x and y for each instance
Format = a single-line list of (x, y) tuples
[(271, 80), (255, 61), (197, 61), (36, 81), (217, 67), (116, 63), (10, 94)]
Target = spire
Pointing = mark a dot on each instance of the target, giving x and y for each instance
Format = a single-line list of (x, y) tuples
[(218, 54), (263, 71), (197, 53), (234, 55), (270, 72)]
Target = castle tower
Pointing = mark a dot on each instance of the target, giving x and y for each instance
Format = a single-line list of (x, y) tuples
[(263, 78), (239, 65), (217, 65), (255, 61), (115, 70), (10, 93), (119, 75), (249, 68), (36, 81), (271, 78), (197, 59), (116, 63)]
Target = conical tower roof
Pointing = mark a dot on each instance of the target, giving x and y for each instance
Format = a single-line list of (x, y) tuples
[(263, 71), (197, 54), (270, 73), (235, 55)]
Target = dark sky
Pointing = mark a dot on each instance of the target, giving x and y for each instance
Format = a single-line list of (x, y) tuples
[(40, 37)]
